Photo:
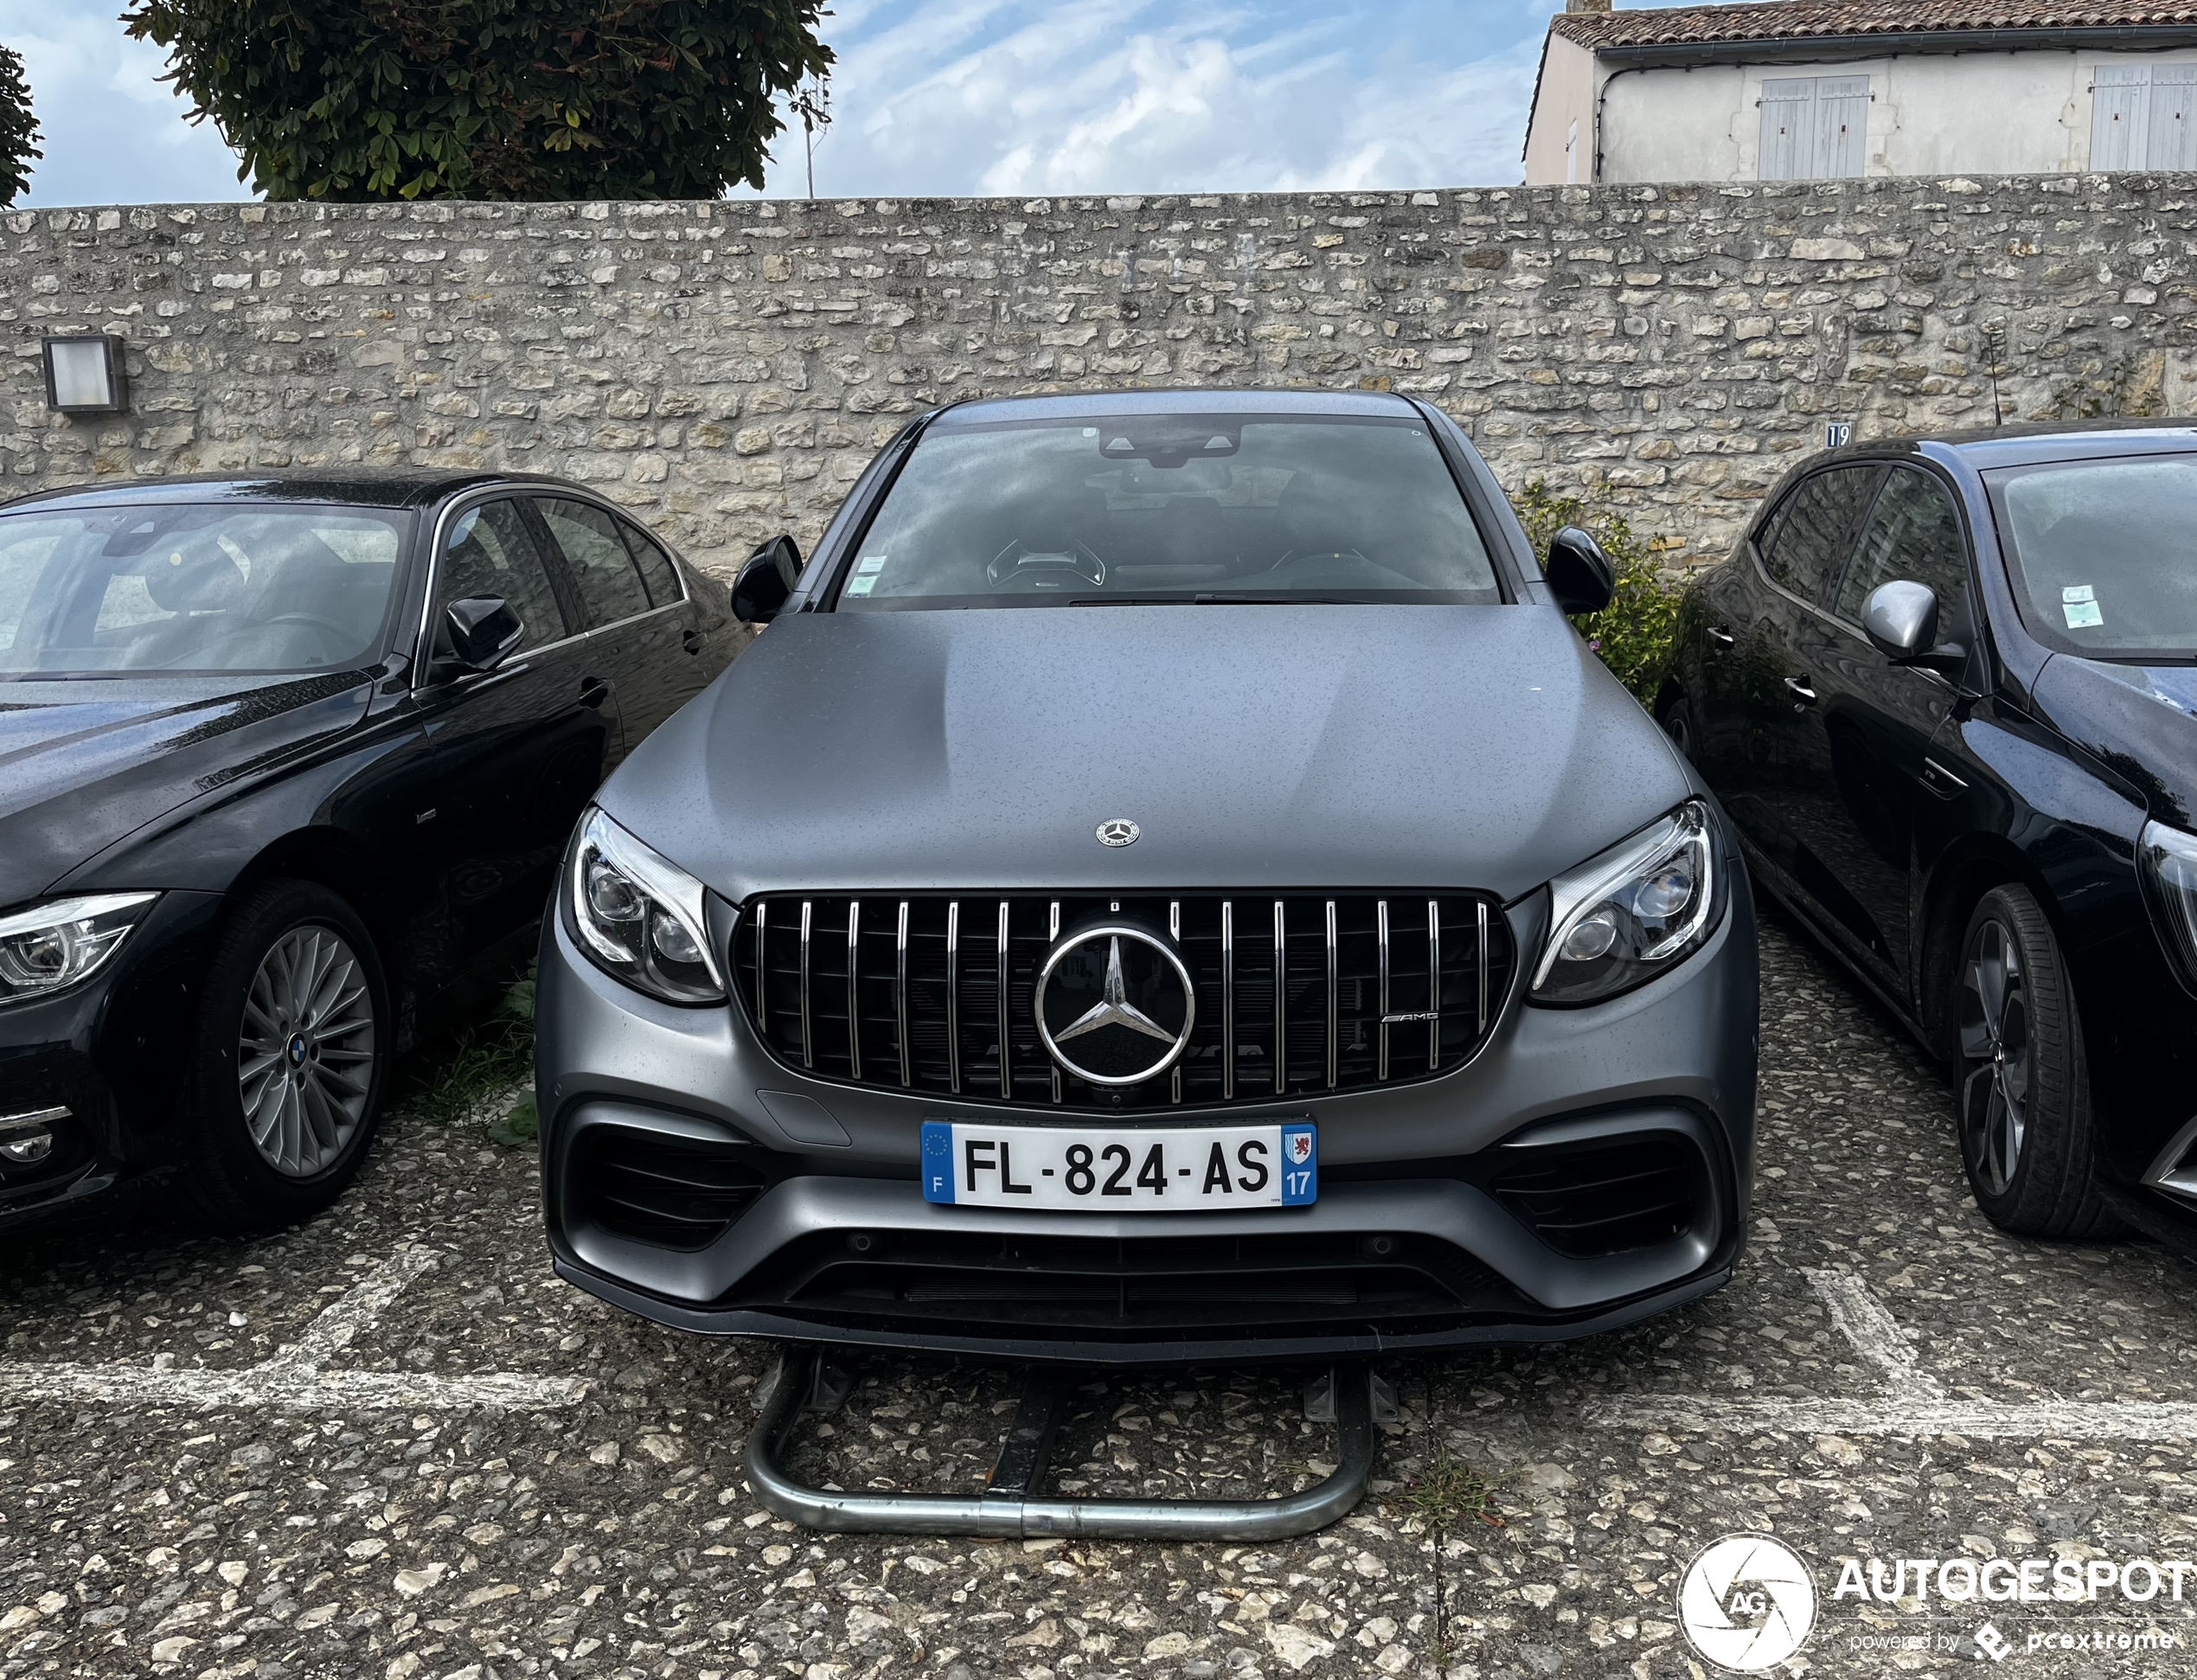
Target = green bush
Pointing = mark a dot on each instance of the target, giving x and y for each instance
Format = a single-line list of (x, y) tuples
[(1634, 634)]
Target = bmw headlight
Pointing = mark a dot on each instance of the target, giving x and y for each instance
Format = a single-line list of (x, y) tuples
[(1643, 906), (2169, 861), (50, 946), (639, 915)]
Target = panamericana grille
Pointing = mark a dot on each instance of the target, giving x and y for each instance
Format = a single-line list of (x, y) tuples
[(920, 993)]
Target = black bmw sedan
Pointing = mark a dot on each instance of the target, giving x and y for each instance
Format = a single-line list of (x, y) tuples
[(286, 765), (1946, 686), (1168, 884)]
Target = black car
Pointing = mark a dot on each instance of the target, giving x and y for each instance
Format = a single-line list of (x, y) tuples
[(285, 767), (1946, 688)]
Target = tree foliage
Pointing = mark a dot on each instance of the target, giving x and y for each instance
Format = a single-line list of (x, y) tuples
[(489, 98), (18, 128), (1635, 633)]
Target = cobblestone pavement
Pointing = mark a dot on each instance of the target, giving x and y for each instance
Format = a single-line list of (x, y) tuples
[(350, 1507)]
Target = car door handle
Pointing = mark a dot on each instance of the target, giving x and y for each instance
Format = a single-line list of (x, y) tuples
[(1940, 780), (1720, 638), (593, 691), (691, 641), (1797, 687)]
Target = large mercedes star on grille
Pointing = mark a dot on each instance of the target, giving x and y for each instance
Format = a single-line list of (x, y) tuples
[(1170, 885)]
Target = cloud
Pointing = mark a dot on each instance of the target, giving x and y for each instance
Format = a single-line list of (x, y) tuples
[(1033, 96), (112, 132), (951, 98)]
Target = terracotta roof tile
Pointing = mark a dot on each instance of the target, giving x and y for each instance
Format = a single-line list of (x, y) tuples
[(1790, 20)]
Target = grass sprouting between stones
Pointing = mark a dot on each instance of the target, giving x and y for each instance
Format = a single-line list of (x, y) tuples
[(483, 1063), (1450, 1493)]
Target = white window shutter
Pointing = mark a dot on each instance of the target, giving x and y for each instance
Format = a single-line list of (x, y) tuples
[(1841, 127), (2172, 141), (1788, 128), (2120, 116)]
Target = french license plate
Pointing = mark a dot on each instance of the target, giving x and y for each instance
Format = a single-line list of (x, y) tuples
[(1163, 1170)]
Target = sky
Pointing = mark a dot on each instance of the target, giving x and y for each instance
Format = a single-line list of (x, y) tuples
[(953, 97)]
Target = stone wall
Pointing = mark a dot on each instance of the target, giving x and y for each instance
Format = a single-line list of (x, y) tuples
[(726, 368)]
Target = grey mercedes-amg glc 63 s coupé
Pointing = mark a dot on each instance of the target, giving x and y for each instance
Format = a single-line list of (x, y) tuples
[(1169, 886)]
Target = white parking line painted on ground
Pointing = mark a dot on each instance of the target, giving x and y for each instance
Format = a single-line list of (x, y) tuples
[(1913, 1403), (293, 1378), (1868, 1325)]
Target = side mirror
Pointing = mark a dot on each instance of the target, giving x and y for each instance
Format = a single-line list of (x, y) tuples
[(1580, 575), (481, 632), (766, 578), (1900, 620)]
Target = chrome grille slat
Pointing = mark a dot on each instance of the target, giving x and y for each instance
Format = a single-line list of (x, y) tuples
[(762, 980), (1174, 933), (1381, 917), (1052, 937), (953, 996), (1433, 983), (1482, 909), (1228, 1001), (1344, 971), (900, 996), (855, 987), (1006, 1049), (808, 1031), (1334, 999)]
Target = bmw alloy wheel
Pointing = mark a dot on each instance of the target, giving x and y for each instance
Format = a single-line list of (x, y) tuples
[(1997, 1056), (305, 1052)]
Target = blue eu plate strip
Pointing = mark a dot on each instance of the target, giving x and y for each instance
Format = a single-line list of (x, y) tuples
[(1300, 1166), (937, 1161)]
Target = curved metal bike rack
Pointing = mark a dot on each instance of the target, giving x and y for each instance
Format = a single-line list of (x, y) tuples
[(1008, 1508)]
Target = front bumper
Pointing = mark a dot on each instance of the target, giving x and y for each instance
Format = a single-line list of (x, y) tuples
[(677, 1188), (109, 1053)]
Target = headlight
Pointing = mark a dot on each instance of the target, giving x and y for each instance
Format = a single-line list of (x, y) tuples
[(51, 945), (1621, 919), (640, 916), (2169, 860)]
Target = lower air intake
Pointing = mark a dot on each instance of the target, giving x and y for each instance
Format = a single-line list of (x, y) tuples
[(1591, 1200), (669, 1192)]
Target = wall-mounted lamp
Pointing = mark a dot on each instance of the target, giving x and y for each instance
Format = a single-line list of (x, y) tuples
[(85, 375)]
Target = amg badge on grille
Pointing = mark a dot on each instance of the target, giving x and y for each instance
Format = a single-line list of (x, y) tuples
[(1118, 831)]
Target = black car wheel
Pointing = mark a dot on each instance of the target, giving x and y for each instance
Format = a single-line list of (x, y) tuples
[(293, 1045), (2028, 1137), (1678, 724)]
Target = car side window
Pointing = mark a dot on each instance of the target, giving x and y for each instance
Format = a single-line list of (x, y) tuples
[(1806, 543), (656, 569), (595, 559), (489, 551), (1913, 533)]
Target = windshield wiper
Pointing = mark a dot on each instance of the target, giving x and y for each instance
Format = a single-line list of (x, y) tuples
[(1212, 599)]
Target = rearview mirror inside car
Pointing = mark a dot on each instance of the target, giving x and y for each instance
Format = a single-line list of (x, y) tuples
[(766, 578), (1900, 620), (1580, 575), (481, 631)]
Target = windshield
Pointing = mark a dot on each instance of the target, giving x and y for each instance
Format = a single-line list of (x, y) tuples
[(2103, 560), (1171, 508), (232, 587)]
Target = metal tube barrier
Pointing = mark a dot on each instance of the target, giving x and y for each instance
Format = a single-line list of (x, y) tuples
[(1007, 1509)]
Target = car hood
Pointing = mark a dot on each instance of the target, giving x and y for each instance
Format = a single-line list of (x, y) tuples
[(2140, 720), (89, 762), (1302, 746)]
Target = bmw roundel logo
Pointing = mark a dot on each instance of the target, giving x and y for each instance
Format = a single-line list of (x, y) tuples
[(1118, 831), (1115, 1004)]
